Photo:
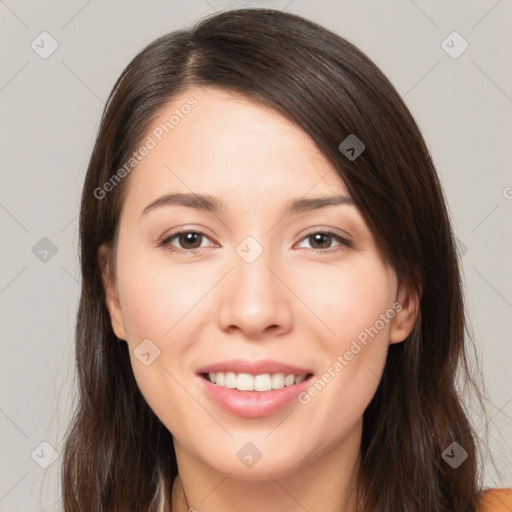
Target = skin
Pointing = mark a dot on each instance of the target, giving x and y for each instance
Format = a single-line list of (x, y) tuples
[(291, 304)]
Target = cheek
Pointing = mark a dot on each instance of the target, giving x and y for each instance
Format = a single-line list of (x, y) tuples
[(364, 323), (347, 298), (157, 303), (357, 306), (156, 295), (164, 303)]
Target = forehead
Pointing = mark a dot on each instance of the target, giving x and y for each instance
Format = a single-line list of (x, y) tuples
[(231, 146)]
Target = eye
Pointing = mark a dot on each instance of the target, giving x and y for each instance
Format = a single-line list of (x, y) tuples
[(189, 240), (323, 240)]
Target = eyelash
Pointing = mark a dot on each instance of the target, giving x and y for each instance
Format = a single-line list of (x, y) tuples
[(166, 241)]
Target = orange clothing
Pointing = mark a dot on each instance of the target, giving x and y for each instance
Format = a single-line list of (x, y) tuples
[(496, 500)]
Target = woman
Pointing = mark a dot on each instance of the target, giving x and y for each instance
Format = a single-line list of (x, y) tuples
[(301, 352)]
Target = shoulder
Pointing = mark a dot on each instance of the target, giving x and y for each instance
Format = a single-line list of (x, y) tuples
[(496, 500)]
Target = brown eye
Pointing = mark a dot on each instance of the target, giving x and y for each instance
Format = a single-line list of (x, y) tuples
[(188, 241), (321, 241)]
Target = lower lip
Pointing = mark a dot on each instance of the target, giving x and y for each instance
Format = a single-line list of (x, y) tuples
[(253, 404)]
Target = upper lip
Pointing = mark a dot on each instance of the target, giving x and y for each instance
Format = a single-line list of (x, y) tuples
[(253, 367)]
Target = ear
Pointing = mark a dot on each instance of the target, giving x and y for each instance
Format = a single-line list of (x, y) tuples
[(406, 314), (110, 288)]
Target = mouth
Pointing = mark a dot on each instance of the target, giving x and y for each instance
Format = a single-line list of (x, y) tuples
[(253, 389), (259, 383)]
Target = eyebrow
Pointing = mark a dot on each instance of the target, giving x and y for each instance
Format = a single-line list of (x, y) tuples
[(213, 205)]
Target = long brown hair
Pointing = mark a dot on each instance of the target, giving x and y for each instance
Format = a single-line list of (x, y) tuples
[(118, 455)]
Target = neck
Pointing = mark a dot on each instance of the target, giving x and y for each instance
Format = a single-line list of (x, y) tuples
[(325, 484)]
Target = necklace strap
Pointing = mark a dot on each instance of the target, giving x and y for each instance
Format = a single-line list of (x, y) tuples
[(178, 498)]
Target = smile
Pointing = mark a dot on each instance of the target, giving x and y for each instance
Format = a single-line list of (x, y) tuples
[(247, 382)]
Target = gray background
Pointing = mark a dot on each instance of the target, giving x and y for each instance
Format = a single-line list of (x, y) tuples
[(50, 110)]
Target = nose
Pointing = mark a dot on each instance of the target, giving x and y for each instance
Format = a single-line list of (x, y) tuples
[(253, 298)]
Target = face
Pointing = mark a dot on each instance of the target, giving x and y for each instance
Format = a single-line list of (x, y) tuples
[(257, 327)]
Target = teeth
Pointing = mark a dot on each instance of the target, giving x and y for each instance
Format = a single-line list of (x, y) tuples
[(278, 381), (230, 381), (248, 382), (263, 382), (245, 382)]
